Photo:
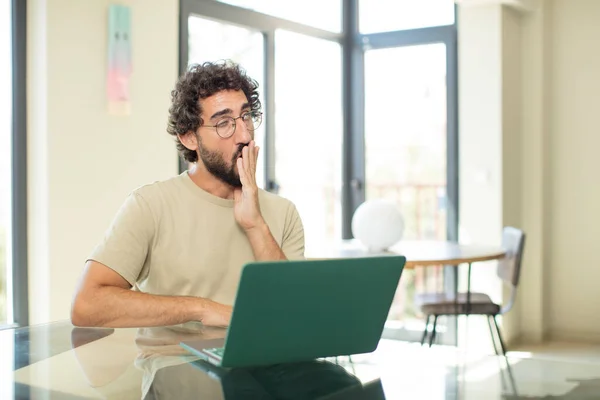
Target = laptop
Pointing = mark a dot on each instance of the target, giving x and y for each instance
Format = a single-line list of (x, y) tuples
[(289, 311)]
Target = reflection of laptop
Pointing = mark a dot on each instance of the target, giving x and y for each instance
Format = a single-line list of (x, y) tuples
[(289, 311), (321, 380)]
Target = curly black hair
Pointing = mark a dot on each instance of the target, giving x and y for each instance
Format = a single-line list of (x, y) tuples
[(199, 82)]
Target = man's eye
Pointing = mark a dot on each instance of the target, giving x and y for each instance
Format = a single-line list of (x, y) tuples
[(223, 124)]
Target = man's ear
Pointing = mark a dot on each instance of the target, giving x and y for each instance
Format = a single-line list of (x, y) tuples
[(189, 140)]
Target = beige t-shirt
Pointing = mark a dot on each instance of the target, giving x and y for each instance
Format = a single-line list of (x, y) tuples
[(173, 238)]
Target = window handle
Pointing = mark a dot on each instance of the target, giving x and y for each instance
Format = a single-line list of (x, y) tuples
[(356, 184), (273, 187)]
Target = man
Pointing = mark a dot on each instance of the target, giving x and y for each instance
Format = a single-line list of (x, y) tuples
[(181, 243)]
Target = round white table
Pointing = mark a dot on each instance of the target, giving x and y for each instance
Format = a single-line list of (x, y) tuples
[(418, 253)]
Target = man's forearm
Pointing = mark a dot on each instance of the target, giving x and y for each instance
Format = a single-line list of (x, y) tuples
[(116, 307), (263, 244)]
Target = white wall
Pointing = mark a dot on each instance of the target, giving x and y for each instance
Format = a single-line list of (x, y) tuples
[(480, 116), (480, 147), (574, 261), (535, 178), (489, 139), (547, 61), (512, 155), (82, 162), (560, 193)]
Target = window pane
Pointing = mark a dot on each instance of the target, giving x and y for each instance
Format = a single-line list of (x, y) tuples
[(212, 41), (405, 145), (328, 16), (395, 15), (5, 162), (308, 136)]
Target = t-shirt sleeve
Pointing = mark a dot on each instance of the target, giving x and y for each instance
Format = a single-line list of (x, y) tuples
[(127, 241), (293, 235)]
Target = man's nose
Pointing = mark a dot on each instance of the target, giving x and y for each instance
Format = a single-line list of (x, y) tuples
[(243, 134)]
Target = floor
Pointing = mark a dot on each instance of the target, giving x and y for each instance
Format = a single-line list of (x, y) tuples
[(565, 371), (561, 351)]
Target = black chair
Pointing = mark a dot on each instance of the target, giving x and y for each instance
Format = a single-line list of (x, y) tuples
[(509, 269)]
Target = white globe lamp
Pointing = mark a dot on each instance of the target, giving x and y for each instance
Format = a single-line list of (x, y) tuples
[(378, 224)]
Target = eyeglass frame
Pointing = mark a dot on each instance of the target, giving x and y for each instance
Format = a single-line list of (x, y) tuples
[(258, 114)]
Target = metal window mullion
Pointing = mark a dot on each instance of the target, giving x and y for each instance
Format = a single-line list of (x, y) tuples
[(411, 37), (452, 136), (269, 106), (252, 19), (19, 165), (452, 180), (184, 13), (353, 147)]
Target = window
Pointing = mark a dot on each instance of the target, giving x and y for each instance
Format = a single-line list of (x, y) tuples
[(328, 16), (5, 163), (395, 15), (308, 140), (405, 134), (405, 149)]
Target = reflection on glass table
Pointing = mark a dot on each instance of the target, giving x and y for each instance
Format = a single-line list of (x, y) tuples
[(317, 379), (60, 361)]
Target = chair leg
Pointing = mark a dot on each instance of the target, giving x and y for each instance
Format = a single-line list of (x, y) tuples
[(432, 336), (492, 334), (499, 336), (425, 330), (352, 364)]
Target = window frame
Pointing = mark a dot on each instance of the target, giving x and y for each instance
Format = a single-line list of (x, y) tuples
[(20, 298)]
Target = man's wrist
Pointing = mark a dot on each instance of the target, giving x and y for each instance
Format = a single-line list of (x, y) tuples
[(197, 308), (259, 228)]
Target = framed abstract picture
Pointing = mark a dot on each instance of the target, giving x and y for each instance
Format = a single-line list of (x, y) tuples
[(119, 60)]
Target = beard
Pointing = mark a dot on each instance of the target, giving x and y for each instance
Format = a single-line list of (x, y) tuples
[(216, 165)]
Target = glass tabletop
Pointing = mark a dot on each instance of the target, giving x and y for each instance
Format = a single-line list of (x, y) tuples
[(60, 361)]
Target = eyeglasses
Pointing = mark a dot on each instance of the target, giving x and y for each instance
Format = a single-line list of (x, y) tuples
[(226, 127)]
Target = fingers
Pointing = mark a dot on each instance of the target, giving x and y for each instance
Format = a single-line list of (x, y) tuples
[(245, 155), (252, 159), (249, 154), (242, 169), (256, 159), (248, 163)]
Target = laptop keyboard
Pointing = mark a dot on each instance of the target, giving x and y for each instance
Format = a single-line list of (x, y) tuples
[(217, 351)]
